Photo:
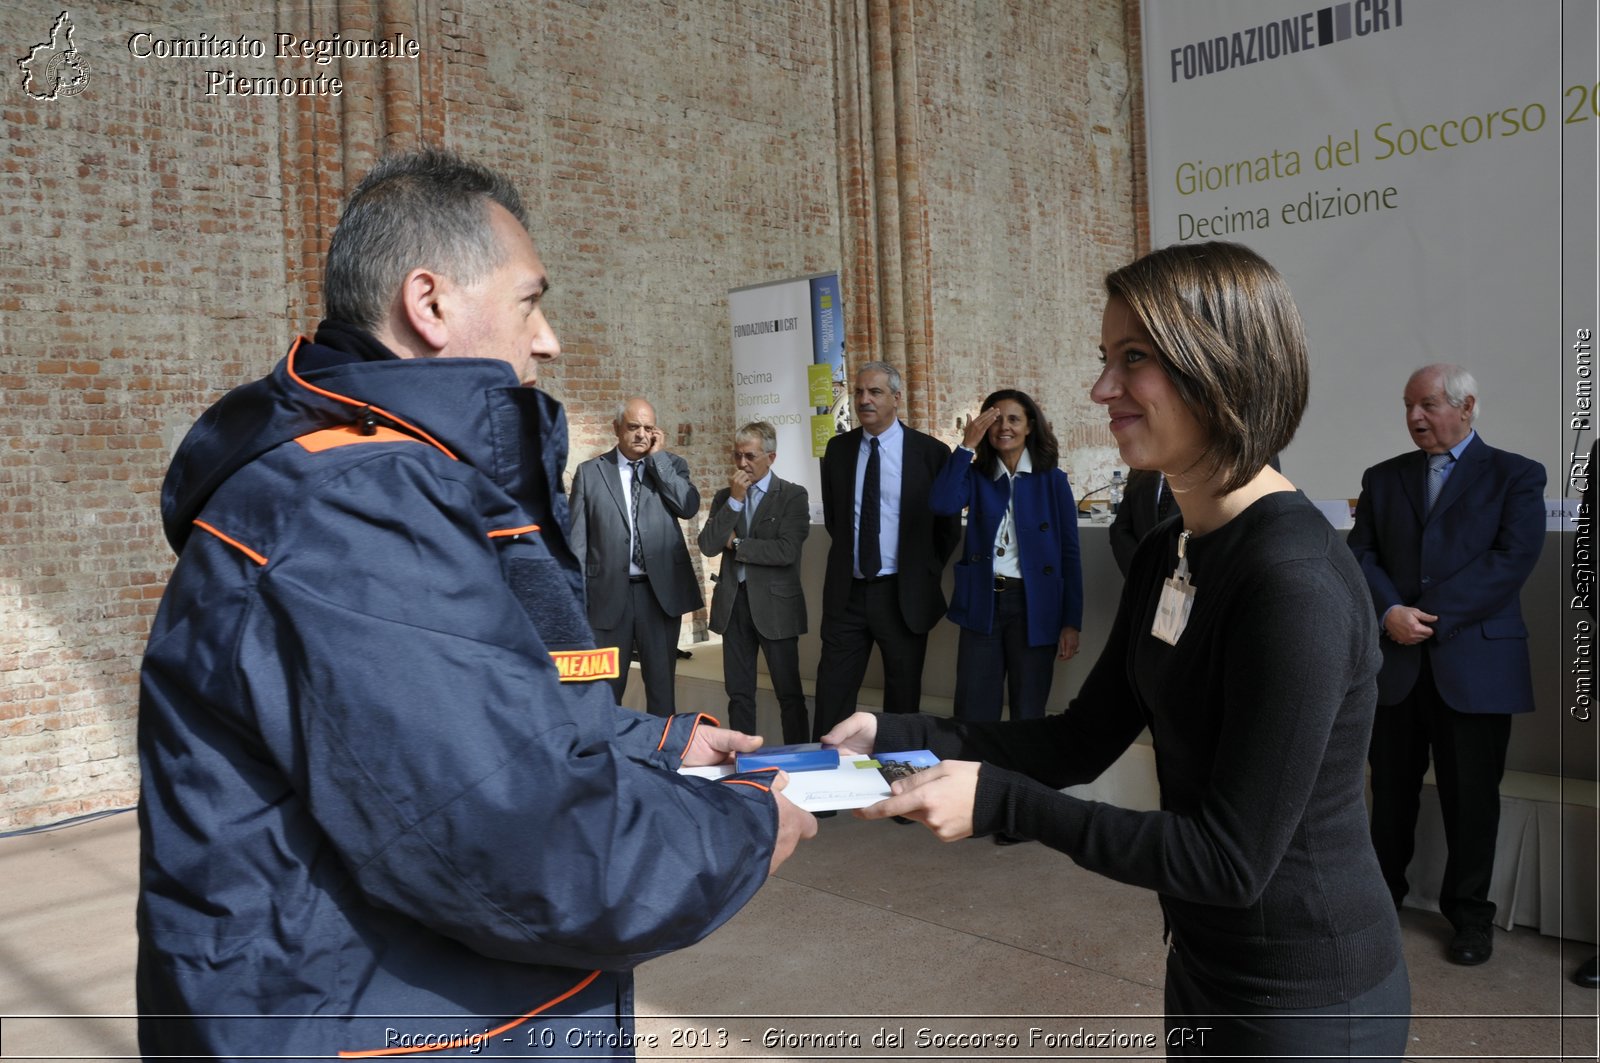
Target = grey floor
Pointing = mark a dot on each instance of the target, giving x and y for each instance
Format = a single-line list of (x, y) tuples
[(871, 929), (871, 926)]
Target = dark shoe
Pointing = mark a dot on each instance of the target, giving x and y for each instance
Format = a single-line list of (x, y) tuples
[(1007, 839), (1472, 945), (1588, 975)]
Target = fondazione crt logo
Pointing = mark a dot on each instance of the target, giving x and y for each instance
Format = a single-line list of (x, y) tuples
[(54, 68), (1285, 36)]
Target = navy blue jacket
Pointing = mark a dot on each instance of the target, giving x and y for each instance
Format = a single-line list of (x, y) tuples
[(1046, 519), (1464, 562), (368, 795)]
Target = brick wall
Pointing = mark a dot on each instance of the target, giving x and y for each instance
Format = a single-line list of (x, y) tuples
[(143, 236), (164, 244), (1030, 198)]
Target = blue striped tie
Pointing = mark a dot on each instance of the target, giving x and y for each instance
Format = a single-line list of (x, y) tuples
[(1437, 464)]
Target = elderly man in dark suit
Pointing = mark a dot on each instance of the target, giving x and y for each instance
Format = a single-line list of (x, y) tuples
[(1447, 535), (638, 581), (886, 563), (758, 525)]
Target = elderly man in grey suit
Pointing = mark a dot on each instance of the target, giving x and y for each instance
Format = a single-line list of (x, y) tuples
[(759, 524), (638, 581)]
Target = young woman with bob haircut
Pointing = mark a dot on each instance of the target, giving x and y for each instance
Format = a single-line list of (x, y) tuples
[(1245, 640)]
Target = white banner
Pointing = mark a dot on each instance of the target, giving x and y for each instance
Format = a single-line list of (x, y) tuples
[(1405, 164), (772, 356)]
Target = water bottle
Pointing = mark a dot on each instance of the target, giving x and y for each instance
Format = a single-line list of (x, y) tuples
[(1114, 493)]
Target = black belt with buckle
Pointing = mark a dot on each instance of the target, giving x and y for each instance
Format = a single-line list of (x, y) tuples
[(637, 579), (1007, 583)]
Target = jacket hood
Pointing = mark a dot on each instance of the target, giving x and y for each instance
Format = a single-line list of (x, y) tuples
[(472, 409)]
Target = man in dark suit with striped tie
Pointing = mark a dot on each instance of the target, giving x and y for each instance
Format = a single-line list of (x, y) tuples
[(1447, 534), (884, 581)]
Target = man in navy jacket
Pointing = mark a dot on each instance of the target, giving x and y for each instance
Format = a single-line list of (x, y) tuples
[(388, 802), (1447, 535)]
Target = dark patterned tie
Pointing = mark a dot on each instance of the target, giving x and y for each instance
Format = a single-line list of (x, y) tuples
[(747, 518), (638, 492), (867, 548)]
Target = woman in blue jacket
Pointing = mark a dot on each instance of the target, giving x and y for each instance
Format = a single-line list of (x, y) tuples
[(1018, 584)]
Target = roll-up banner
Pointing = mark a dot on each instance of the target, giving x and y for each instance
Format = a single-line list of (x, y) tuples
[(788, 370), (1423, 172)]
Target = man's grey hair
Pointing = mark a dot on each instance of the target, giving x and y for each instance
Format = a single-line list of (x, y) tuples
[(886, 369), (425, 209), (1458, 386), (621, 413), (759, 430)]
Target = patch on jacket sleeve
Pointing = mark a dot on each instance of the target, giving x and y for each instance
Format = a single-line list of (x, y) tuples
[(582, 666), (550, 601)]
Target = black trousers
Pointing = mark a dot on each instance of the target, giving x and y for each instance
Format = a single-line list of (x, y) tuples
[(1002, 663), (871, 617), (1205, 1021), (1469, 757), (649, 627), (739, 644)]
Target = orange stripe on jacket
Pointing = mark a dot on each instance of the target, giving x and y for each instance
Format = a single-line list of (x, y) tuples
[(698, 717), (349, 435), (231, 541), (512, 533), (751, 782), (456, 1041), (348, 401)]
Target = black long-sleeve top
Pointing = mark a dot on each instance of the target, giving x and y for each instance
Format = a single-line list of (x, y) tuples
[(1260, 718)]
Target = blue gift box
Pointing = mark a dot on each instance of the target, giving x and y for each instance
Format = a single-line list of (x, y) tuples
[(804, 756)]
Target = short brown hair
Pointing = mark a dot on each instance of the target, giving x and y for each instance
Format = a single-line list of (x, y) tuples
[(1230, 338)]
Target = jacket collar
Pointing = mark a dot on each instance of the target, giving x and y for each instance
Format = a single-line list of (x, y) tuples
[(472, 409)]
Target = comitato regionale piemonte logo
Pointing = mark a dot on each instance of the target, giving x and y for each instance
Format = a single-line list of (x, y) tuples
[(54, 68)]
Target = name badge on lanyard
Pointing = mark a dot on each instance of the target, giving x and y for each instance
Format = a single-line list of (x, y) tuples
[(1177, 599)]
